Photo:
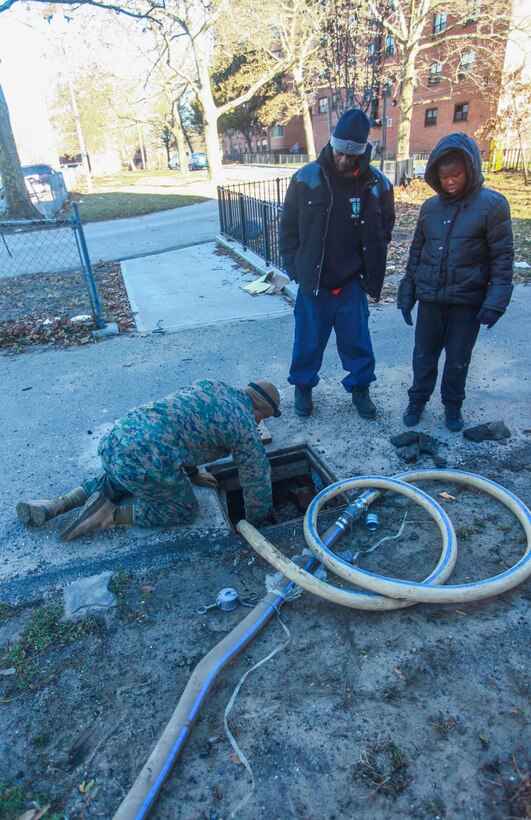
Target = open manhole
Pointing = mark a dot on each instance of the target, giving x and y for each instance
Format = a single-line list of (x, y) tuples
[(297, 475)]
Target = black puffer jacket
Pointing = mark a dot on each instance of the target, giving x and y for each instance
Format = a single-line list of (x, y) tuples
[(304, 222), (462, 250)]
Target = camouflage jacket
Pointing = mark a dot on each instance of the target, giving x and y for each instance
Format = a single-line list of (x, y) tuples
[(196, 424)]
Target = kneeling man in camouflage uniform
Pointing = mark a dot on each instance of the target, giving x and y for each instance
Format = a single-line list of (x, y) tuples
[(152, 454)]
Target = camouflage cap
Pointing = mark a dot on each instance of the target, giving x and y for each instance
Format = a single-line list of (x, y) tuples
[(265, 397)]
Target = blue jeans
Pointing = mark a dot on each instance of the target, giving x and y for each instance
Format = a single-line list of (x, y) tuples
[(315, 316)]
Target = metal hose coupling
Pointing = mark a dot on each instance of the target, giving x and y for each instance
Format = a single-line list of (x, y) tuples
[(351, 513)]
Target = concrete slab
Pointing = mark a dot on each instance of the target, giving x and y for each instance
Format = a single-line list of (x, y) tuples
[(191, 287)]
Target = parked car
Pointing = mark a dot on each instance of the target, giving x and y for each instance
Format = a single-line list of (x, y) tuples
[(198, 162), (173, 162)]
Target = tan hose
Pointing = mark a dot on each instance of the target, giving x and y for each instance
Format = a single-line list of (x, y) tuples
[(137, 802), (354, 600), (416, 592)]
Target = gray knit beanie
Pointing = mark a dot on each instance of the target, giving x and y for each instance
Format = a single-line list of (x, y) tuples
[(351, 133)]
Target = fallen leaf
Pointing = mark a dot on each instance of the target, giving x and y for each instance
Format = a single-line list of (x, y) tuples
[(397, 671), (448, 496), (460, 612), (234, 758), (11, 671)]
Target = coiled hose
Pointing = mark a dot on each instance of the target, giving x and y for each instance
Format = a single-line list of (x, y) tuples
[(400, 591), (385, 593)]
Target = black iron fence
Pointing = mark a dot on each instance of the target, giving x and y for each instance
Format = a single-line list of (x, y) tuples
[(250, 212), (45, 267)]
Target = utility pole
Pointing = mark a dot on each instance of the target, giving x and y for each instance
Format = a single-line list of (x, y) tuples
[(384, 127), (85, 159)]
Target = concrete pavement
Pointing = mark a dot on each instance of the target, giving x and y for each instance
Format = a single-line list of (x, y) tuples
[(194, 286), (57, 403)]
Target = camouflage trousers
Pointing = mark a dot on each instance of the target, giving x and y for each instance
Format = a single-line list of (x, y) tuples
[(157, 501)]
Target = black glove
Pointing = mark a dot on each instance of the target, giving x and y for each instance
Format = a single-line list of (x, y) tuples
[(488, 317), (407, 317)]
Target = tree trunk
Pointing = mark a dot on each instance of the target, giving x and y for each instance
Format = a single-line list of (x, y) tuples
[(210, 123), (305, 111), (17, 200), (406, 104), (178, 133)]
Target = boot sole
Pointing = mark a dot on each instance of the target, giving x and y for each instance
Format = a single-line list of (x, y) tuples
[(28, 513), (303, 415), (92, 506), (365, 415)]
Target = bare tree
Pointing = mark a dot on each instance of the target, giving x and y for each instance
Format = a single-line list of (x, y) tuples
[(298, 29), (198, 29), (418, 27), (17, 201), (352, 53), (513, 116)]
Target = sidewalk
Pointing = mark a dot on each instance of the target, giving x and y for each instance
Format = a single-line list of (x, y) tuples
[(199, 285)]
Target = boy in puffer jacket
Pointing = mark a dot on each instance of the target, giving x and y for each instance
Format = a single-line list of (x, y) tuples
[(459, 271)]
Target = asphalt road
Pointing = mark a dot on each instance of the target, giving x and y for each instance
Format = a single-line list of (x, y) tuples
[(154, 233)]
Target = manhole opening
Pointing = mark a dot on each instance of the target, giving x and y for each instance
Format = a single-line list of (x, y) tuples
[(297, 475)]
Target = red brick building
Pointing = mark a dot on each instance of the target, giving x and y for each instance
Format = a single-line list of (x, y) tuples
[(457, 86)]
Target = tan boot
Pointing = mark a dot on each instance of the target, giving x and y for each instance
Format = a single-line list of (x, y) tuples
[(41, 510), (97, 514)]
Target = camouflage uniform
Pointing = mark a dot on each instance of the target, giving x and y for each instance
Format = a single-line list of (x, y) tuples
[(144, 453)]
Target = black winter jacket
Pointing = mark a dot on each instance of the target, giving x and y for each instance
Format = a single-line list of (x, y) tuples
[(462, 250), (305, 215)]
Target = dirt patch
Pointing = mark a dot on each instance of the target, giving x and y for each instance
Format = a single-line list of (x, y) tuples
[(420, 712), (40, 309)]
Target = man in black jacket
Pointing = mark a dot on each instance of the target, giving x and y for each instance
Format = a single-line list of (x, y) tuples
[(459, 270), (335, 227)]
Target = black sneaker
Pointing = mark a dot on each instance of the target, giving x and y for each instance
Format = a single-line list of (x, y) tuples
[(413, 413), (453, 419), (303, 401), (363, 402)]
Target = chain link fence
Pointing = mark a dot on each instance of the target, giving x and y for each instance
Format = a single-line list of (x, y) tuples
[(46, 277)]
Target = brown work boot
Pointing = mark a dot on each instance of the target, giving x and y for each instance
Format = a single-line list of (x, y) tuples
[(97, 514), (41, 510)]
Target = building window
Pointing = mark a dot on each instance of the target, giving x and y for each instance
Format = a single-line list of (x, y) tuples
[(439, 23), (264, 146), (468, 58), (277, 131), (461, 112), (323, 105), (473, 11), (435, 74), (389, 46), (430, 117)]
